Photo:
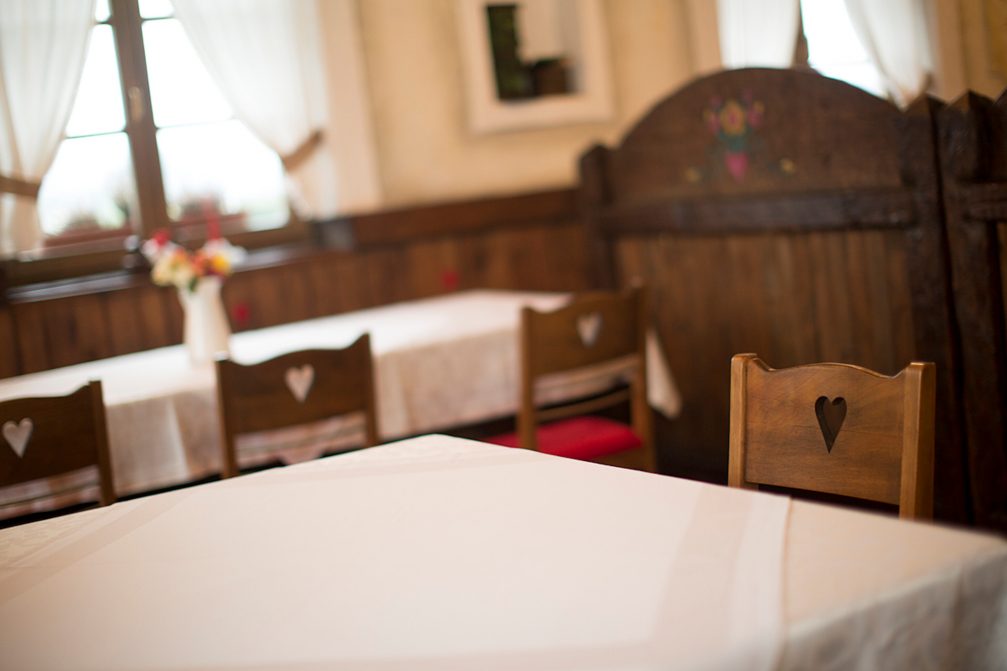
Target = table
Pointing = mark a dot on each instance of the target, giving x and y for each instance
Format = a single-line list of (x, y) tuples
[(441, 553), (439, 363)]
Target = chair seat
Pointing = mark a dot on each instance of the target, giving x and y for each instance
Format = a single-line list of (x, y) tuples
[(584, 438)]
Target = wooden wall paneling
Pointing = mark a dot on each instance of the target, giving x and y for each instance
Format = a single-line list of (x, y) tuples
[(861, 315), (530, 241), (322, 275), (126, 329), (928, 272), (873, 266), (973, 150), (500, 262), (344, 283), (433, 267), (593, 196), (332, 281), (32, 340), (571, 253), (9, 356), (473, 259), (795, 240), (541, 262), (77, 330), (743, 294), (291, 289), (429, 222), (904, 337), (162, 327), (1002, 236), (797, 339), (387, 272), (241, 303), (831, 325), (520, 259), (174, 315)]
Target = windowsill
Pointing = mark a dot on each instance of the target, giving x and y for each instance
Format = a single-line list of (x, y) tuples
[(93, 265), (139, 275), (110, 265)]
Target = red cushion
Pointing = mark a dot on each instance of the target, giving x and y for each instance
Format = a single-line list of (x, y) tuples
[(584, 438)]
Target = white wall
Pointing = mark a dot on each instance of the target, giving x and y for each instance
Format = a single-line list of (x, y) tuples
[(412, 73)]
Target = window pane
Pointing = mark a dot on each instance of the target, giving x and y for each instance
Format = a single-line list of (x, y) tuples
[(863, 75), (222, 169), (830, 34), (101, 11), (155, 9), (98, 107), (181, 90), (89, 187)]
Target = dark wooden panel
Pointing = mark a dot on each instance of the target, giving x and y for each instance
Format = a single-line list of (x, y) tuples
[(9, 356), (434, 267), (796, 298), (77, 329), (973, 150), (758, 131), (889, 208), (527, 241), (386, 275), (450, 219), (336, 284), (29, 319), (786, 214), (128, 331)]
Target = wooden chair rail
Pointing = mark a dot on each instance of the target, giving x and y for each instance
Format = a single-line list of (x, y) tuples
[(805, 212)]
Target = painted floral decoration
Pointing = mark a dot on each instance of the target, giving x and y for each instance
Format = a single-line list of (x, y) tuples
[(174, 265), (732, 122)]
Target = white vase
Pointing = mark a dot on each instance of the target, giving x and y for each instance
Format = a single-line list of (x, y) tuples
[(206, 328)]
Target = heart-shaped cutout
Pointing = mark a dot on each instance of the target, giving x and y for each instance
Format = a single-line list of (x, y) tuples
[(588, 328), (830, 418), (18, 434), (299, 381)]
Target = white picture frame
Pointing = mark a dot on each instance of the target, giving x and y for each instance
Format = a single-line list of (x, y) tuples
[(592, 102)]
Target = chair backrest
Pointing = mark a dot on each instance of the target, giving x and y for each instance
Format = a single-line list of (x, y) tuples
[(49, 436), (294, 389), (594, 328), (835, 428)]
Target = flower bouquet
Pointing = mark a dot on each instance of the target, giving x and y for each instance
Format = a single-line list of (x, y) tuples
[(174, 265), (197, 275)]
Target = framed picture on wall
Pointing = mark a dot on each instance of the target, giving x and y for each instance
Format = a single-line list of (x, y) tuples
[(534, 63)]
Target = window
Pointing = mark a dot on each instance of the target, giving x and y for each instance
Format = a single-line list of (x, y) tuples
[(834, 48), (152, 143)]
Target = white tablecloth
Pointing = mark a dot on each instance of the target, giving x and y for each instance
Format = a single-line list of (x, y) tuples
[(434, 553), (438, 553), (439, 363)]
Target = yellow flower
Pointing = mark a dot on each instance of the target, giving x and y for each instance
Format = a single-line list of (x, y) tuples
[(732, 118), (220, 264)]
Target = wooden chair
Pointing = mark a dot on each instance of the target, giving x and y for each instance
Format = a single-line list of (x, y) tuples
[(837, 429), (293, 389), (44, 437), (594, 328)]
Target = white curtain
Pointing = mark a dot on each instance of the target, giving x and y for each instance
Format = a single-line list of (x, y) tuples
[(894, 33), (758, 33), (265, 56), (42, 48)]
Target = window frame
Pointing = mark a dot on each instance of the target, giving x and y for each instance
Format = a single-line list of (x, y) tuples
[(80, 254)]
